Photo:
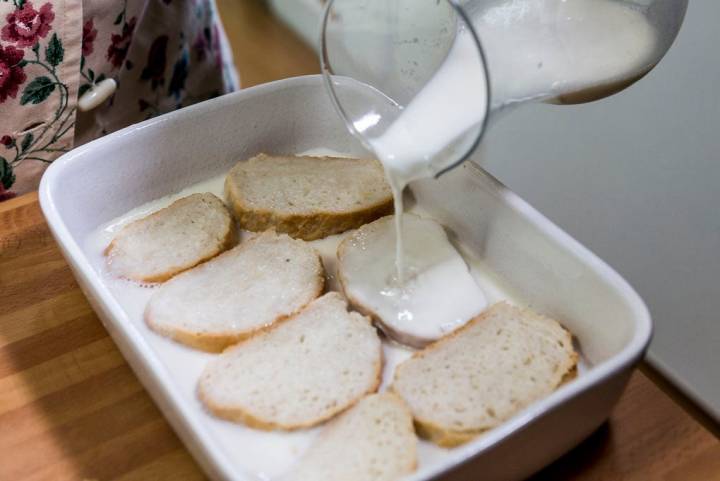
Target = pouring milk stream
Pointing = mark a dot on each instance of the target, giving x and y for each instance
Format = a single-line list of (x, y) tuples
[(531, 50), (532, 63)]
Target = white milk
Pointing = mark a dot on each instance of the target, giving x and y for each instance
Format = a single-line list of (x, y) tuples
[(404, 157), (535, 49), (438, 295), (547, 48), (262, 455)]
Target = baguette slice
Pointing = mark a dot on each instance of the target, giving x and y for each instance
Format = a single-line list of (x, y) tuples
[(309, 368), (483, 373), (307, 197), (242, 291), (439, 294), (373, 441), (157, 247)]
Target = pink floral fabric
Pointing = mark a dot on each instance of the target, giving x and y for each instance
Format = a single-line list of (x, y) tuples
[(11, 74), (26, 25), (163, 54), (89, 35)]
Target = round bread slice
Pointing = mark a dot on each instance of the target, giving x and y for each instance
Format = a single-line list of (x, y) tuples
[(438, 294), (189, 231), (484, 373), (242, 291), (304, 371), (307, 197), (372, 441)]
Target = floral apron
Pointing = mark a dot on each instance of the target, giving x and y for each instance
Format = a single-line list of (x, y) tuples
[(160, 54)]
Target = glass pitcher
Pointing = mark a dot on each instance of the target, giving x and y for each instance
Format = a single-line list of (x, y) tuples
[(427, 77)]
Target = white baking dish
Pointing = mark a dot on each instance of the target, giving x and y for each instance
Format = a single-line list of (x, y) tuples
[(545, 267)]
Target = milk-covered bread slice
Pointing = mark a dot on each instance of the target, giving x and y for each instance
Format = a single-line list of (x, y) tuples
[(187, 232), (483, 373), (372, 441), (298, 374), (237, 294), (438, 295), (307, 197)]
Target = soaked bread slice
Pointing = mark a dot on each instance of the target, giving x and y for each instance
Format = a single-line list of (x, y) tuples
[(187, 232), (240, 292), (298, 374), (373, 441), (438, 294), (484, 373), (307, 197)]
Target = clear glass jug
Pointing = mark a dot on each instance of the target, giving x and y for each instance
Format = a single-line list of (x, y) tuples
[(427, 76)]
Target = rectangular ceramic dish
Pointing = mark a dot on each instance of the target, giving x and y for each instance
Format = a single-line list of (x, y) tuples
[(547, 269)]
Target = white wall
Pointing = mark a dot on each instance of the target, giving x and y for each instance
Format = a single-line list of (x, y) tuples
[(636, 178)]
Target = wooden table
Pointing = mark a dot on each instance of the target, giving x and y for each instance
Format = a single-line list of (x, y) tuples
[(71, 408)]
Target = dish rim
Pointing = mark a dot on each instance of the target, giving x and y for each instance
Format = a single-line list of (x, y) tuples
[(180, 413)]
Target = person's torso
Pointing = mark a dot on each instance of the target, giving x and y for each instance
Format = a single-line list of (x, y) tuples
[(162, 55)]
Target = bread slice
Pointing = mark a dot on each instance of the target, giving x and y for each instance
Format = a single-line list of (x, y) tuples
[(307, 197), (483, 373), (307, 369), (373, 441), (438, 294), (187, 232), (237, 294)]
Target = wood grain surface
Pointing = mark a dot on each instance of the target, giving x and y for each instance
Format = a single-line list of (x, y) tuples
[(264, 49), (71, 408)]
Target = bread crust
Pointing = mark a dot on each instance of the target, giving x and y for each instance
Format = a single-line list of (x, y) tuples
[(228, 240), (392, 334), (312, 226), (240, 415), (448, 437), (330, 437), (218, 341), (388, 330)]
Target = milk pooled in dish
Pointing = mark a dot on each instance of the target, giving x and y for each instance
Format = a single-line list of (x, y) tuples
[(438, 293)]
